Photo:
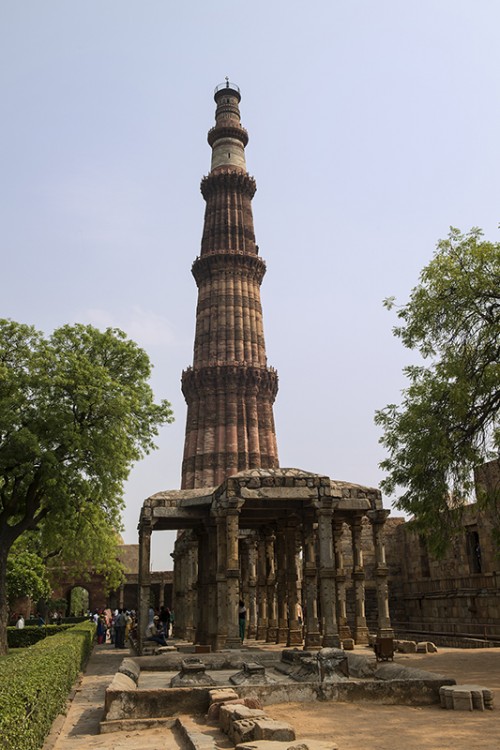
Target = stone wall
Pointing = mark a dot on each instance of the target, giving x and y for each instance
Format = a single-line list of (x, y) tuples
[(458, 594)]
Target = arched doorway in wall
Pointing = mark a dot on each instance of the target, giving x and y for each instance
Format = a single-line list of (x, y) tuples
[(79, 601)]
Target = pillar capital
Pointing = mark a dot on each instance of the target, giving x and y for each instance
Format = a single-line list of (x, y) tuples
[(378, 517)]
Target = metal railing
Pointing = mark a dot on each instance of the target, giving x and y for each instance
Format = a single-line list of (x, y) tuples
[(227, 85)]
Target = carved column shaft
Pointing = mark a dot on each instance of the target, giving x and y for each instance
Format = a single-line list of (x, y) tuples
[(232, 578), (294, 637), (358, 575), (145, 530), (282, 633), (261, 590), (340, 580), (327, 578), (377, 519), (272, 610), (312, 634), (221, 583), (251, 544)]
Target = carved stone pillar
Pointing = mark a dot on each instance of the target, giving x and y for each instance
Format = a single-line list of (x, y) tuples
[(272, 614), (358, 576), (191, 589), (294, 637), (221, 583), (261, 589), (327, 575), (251, 551), (181, 562), (145, 529), (178, 592), (377, 520), (174, 593), (233, 578), (340, 579), (202, 588), (310, 589), (282, 632)]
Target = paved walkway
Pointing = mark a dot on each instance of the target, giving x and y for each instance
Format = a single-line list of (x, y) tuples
[(79, 729), (353, 726)]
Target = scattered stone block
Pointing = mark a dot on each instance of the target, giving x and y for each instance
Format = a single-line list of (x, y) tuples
[(243, 712), (123, 682), (462, 700), (269, 729), (242, 731), (348, 644), (466, 697), (221, 695), (192, 673), (130, 668), (477, 699), (227, 715), (252, 673), (302, 744), (237, 712), (406, 647), (333, 665), (214, 709), (426, 647)]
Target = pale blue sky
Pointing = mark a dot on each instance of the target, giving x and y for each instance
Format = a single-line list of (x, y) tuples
[(373, 127)]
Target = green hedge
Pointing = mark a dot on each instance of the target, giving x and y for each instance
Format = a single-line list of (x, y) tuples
[(35, 683), (31, 634)]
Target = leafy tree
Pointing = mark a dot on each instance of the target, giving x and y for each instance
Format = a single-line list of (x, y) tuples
[(26, 576), (76, 411), (448, 421), (79, 601)]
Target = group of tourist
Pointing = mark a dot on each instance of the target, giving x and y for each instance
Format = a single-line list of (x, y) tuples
[(113, 626), (20, 622)]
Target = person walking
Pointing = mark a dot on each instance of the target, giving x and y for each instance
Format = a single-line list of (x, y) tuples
[(242, 619), (165, 620), (120, 623)]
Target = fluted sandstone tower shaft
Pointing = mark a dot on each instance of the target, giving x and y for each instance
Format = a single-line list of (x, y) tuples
[(229, 390)]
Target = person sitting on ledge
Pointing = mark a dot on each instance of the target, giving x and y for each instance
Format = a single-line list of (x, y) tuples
[(153, 634)]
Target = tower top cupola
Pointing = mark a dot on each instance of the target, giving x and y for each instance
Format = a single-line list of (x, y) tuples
[(228, 137)]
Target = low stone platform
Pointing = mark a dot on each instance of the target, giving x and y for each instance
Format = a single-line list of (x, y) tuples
[(141, 693)]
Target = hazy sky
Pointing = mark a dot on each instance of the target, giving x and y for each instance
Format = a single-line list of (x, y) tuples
[(374, 126)]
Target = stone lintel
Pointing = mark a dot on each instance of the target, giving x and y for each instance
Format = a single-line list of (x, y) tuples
[(354, 503), (179, 513), (279, 493)]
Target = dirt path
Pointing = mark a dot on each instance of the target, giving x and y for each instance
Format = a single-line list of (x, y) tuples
[(366, 726), (361, 726)]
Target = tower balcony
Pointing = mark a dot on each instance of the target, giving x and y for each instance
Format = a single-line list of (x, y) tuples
[(227, 88)]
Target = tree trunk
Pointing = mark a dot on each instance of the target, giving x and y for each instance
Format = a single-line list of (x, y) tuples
[(4, 604)]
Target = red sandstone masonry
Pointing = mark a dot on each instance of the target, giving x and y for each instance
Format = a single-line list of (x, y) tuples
[(229, 390)]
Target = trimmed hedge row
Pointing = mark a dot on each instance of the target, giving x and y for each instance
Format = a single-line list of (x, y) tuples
[(35, 683), (31, 634)]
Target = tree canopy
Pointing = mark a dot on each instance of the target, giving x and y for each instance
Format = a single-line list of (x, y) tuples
[(76, 411), (26, 576), (448, 421)]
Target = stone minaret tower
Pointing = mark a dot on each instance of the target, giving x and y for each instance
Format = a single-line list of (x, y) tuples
[(229, 390)]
